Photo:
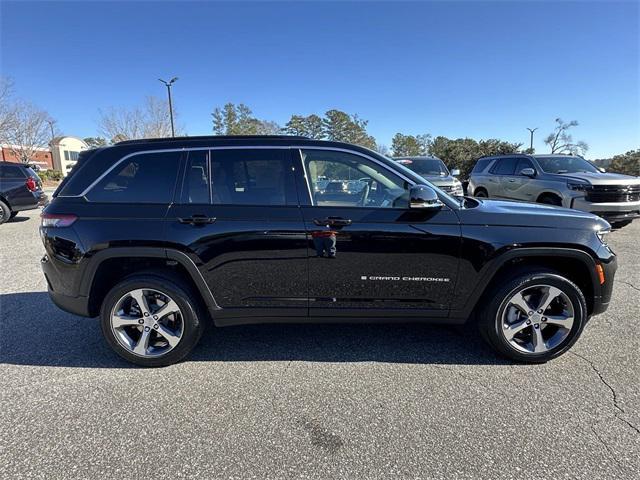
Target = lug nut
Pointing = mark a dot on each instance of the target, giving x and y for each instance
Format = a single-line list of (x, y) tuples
[(155, 326), (540, 311), (528, 322), (544, 319), (141, 321), (536, 326), (530, 313), (146, 329)]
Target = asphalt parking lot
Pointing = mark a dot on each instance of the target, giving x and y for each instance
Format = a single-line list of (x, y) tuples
[(367, 401)]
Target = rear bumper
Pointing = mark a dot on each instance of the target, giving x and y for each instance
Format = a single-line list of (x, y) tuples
[(40, 199), (61, 294)]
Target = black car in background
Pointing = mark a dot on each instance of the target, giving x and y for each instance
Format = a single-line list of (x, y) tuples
[(20, 189), (156, 237)]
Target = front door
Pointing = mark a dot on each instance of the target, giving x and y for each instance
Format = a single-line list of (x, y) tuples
[(238, 218), (368, 253)]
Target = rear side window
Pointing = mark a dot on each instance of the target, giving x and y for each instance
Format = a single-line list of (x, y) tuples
[(9, 172), (481, 165), (142, 178), (252, 177), (505, 166), (196, 187)]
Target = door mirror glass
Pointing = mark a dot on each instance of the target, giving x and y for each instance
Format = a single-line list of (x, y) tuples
[(528, 172), (455, 172), (602, 169), (423, 196)]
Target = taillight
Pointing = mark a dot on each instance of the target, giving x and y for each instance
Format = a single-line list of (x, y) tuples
[(31, 184), (56, 220)]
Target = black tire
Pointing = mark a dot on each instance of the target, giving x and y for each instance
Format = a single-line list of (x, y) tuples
[(481, 193), (549, 199), (5, 212), (192, 313), (490, 321)]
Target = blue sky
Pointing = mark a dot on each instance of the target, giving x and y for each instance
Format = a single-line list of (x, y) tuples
[(477, 69)]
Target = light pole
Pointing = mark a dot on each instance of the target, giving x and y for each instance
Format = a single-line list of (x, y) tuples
[(168, 85), (531, 130)]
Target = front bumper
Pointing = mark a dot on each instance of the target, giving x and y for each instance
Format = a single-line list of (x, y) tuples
[(601, 302), (610, 211)]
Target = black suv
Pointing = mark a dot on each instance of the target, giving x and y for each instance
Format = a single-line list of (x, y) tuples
[(20, 189), (157, 236)]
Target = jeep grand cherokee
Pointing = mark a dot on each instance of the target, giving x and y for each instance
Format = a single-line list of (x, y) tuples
[(157, 236)]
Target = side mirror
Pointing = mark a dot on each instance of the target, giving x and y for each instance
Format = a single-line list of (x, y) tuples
[(602, 169), (423, 196), (528, 172), (455, 172)]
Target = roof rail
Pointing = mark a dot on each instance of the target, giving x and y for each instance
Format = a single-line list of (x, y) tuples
[(212, 137)]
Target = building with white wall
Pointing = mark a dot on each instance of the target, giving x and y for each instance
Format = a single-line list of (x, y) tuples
[(65, 151)]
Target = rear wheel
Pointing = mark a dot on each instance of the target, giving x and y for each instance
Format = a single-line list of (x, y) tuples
[(533, 317), (5, 212), (151, 320)]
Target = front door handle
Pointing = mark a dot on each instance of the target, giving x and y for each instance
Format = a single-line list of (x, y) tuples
[(197, 220), (332, 222)]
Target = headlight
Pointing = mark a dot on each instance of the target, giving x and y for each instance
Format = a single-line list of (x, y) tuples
[(581, 187), (602, 235)]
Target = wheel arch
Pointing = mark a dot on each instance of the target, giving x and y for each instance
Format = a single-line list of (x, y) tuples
[(576, 265), (109, 266), (550, 193)]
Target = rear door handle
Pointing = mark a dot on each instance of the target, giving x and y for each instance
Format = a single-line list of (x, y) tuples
[(332, 222), (197, 220)]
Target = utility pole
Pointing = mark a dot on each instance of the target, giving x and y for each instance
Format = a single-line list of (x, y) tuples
[(531, 130), (168, 85), (51, 123)]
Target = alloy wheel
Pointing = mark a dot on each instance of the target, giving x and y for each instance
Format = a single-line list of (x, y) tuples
[(537, 319), (147, 322)]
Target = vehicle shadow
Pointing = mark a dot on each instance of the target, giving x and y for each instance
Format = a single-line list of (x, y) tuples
[(33, 331), (18, 219)]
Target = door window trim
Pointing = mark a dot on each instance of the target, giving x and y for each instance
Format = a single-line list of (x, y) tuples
[(352, 152)]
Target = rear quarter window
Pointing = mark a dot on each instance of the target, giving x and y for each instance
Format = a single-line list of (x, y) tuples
[(141, 178), (11, 172), (481, 165)]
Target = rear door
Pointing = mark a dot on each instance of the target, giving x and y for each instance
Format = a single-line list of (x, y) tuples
[(369, 255), (238, 219), (13, 187), (502, 174)]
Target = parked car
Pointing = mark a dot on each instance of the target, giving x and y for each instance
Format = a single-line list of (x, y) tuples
[(20, 189), (156, 237), (434, 170), (562, 180)]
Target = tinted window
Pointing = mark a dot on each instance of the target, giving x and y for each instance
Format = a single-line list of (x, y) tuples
[(143, 178), (425, 166), (481, 165), (344, 179), (505, 166), (196, 178), (10, 171), (522, 164), (252, 177), (566, 165)]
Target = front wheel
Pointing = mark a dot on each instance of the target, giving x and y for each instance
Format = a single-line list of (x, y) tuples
[(5, 212), (151, 320), (534, 317)]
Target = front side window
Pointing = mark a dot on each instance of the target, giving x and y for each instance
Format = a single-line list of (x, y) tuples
[(142, 178), (348, 180), (522, 164), (252, 177)]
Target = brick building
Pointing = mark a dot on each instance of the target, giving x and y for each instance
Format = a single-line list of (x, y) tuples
[(41, 157)]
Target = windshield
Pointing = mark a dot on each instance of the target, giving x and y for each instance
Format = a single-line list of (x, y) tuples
[(566, 165), (431, 167)]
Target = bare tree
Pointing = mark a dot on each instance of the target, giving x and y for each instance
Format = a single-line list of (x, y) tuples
[(7, 110), (561, 141), (27, 131), (151, 120)]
